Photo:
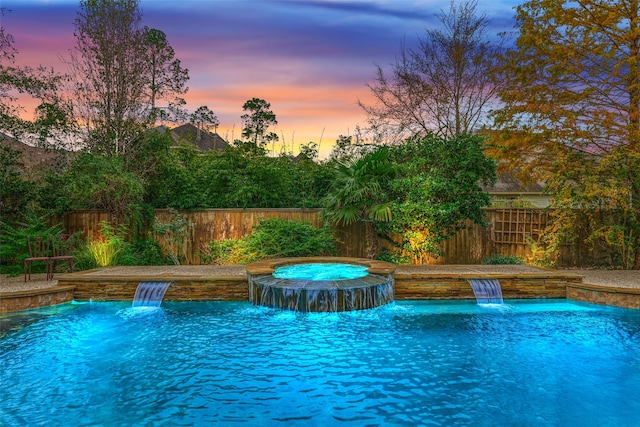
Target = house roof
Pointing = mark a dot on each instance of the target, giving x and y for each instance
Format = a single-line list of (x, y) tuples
[(33, 158), (508, 184), (188, 133)]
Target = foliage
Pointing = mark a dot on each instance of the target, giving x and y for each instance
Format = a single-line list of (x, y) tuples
[(444, 86), (394, 257), (278, 238), (358, 194), (166, 79), (145, 251), (572, 114), (204, 118), (13, 241), (105, 249), (503, 260), (174, 233), (188, 180), (226, 252), (545, 250), (436, 190), (273, 238), (15, 190), (101, 182), (38, 84)]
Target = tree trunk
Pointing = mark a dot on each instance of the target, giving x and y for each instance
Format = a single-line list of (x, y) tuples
[(371, 239)]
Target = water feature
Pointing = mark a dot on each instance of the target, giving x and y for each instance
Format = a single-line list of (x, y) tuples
[(321, 287), (150, 294), (405, 364), (487, 291)]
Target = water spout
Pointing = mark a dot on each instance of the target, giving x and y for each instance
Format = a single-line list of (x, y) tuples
[(487, 291), (150, 294)]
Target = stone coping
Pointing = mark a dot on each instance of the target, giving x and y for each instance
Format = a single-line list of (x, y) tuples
[(481, 271), (606, 289), (190, 273), (35, 292), (268, 266)]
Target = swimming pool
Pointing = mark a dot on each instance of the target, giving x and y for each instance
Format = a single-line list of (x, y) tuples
[(527, 363)]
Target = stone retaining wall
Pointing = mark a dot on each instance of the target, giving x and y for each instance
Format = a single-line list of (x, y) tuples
[(80, 287), (37, 298)]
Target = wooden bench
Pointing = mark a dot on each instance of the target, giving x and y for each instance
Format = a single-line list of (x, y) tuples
[(49, 250)]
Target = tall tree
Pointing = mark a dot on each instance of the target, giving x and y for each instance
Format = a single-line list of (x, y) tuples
[(167, 78), (256, 122), (120, 71), (572, 114), (40, 84), (444, 85)]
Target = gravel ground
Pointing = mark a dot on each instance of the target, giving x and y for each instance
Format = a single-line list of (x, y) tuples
[(613, 278)]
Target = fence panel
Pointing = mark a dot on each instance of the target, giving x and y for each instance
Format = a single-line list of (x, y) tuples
[(508, 233)]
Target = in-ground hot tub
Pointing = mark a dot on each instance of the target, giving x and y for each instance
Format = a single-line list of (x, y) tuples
[(321, 284)]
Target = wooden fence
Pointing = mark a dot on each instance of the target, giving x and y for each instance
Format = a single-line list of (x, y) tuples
[(510, 232)]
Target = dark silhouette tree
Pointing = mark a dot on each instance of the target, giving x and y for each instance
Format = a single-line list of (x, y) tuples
[(444, 86), (256, 123)]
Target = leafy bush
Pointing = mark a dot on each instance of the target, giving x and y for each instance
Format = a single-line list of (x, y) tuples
[(146, 252), (437, 190), (226, 252), (273, 238), (278, 238), (503, 260), (394, 257)]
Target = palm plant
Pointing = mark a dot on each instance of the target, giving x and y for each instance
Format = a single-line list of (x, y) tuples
[(358, 194)]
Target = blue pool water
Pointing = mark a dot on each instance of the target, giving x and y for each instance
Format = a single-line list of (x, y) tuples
[(409, 363), (320, 271)]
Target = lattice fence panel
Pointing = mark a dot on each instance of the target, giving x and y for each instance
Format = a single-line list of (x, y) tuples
[(515, 226)]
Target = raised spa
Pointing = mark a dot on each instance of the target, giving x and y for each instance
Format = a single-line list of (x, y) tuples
[(321, 284)]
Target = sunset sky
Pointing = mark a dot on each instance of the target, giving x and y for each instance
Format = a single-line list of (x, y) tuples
[(311, 59)]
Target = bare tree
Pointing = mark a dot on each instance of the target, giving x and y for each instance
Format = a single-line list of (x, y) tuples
[(444, 86), (120, 72)]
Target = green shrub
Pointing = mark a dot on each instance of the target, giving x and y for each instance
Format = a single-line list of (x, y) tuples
[(273, 238), (503, 260), (394, 257), (279, 238), (147, 252), (226, 252)]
